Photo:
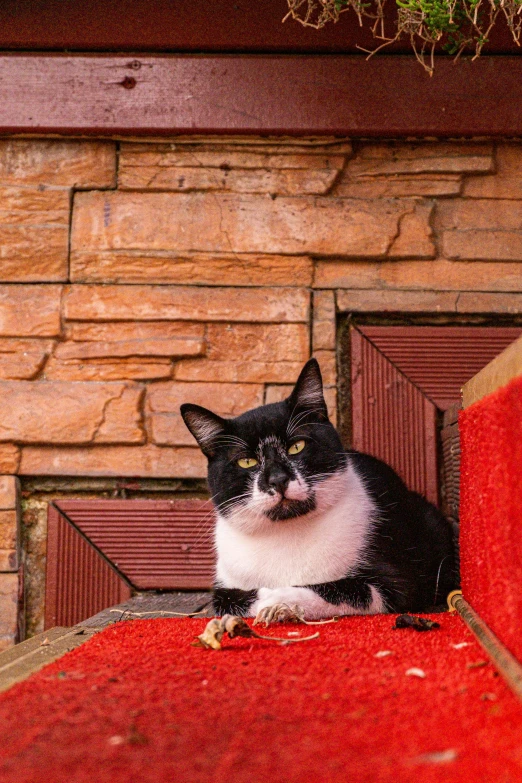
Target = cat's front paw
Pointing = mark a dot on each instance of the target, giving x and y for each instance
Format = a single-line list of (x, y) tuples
[(279, 613)]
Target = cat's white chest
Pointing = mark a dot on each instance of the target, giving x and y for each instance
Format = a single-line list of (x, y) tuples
[(301, 551)]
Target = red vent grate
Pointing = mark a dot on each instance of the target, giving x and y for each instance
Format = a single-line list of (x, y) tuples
[(392, 419), (157, 545), (80, 582), (400, 376), (440, 359)]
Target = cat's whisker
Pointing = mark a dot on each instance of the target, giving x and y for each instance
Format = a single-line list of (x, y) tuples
[(294, 421), (207, 534), (230, 440), (306, 411), (236, 500)]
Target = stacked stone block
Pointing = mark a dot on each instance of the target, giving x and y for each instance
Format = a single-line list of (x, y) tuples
[(10, 561)]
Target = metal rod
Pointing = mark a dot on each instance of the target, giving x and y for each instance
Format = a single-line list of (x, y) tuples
[(505, 662)]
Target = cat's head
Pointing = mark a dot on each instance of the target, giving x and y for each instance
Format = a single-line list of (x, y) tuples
[(273, 463)]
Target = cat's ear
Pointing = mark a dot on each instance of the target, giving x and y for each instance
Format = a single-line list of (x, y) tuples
[(308, 391), (204, 425)]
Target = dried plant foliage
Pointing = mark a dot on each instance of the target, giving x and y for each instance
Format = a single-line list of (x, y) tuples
[(234, 626), (454, 25)]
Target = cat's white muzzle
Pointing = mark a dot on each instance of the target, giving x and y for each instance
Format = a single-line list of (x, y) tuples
[(297, 489)]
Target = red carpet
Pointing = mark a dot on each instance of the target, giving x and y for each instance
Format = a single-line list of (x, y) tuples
[(138, 704), (491, 511)]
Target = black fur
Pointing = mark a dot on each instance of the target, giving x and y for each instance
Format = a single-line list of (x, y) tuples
[(411, 558), (354, 590), (229, 601)]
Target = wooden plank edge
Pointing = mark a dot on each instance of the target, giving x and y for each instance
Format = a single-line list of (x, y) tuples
[(506, 663), (150, 606), (502, 369), (19, 662), (26, 658), (389, 96)]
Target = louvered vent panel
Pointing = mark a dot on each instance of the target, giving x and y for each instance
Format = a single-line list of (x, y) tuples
[(440, 359), (451, 464), (79, 581), (451, 467), (157, 545), (392, 419)]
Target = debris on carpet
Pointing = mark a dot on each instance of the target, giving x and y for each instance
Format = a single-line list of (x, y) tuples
[(441, 757), (416, 623), (415, 672), (236, 626)]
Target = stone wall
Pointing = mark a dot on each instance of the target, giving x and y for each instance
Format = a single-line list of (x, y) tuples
[(138, 275), (11, 580)]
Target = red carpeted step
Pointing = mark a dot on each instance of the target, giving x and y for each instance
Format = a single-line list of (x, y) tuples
[(139, 704), (491, 511)]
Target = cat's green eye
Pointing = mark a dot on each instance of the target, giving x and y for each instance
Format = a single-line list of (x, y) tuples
[(247, 462), (296, 447)]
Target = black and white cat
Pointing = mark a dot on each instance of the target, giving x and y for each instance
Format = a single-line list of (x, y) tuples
[(300, 522)]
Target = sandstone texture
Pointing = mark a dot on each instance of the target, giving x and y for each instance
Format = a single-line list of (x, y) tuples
[(441, 275), (9, 458), (172, 303), (79, 164), (210, 269), (65, 412), (323, 334), (30, 310), (481, 229), (106, 461), (249, 354), (507, 182), (37, 179), (8, 530), (9, 492), (8, 610), (237, 223), (397, 301), (23, 359), (226, 399)]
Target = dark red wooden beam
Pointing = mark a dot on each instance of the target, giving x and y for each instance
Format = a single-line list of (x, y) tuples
[(190, 26), (387, 96)]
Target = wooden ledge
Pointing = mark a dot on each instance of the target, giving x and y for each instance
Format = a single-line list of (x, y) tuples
[(138, 95), (26, 658), (19, 662), (506, 366)]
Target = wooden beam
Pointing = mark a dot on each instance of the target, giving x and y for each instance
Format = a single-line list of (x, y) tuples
[(194, 26), (388, 96), (504, 367)]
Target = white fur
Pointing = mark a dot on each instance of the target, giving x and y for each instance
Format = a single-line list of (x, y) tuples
[(314, 607), (297, 489), (322, 546), (206, 429)]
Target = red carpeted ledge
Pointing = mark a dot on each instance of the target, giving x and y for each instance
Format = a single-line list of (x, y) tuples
[(491, 511), (139, 704)]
